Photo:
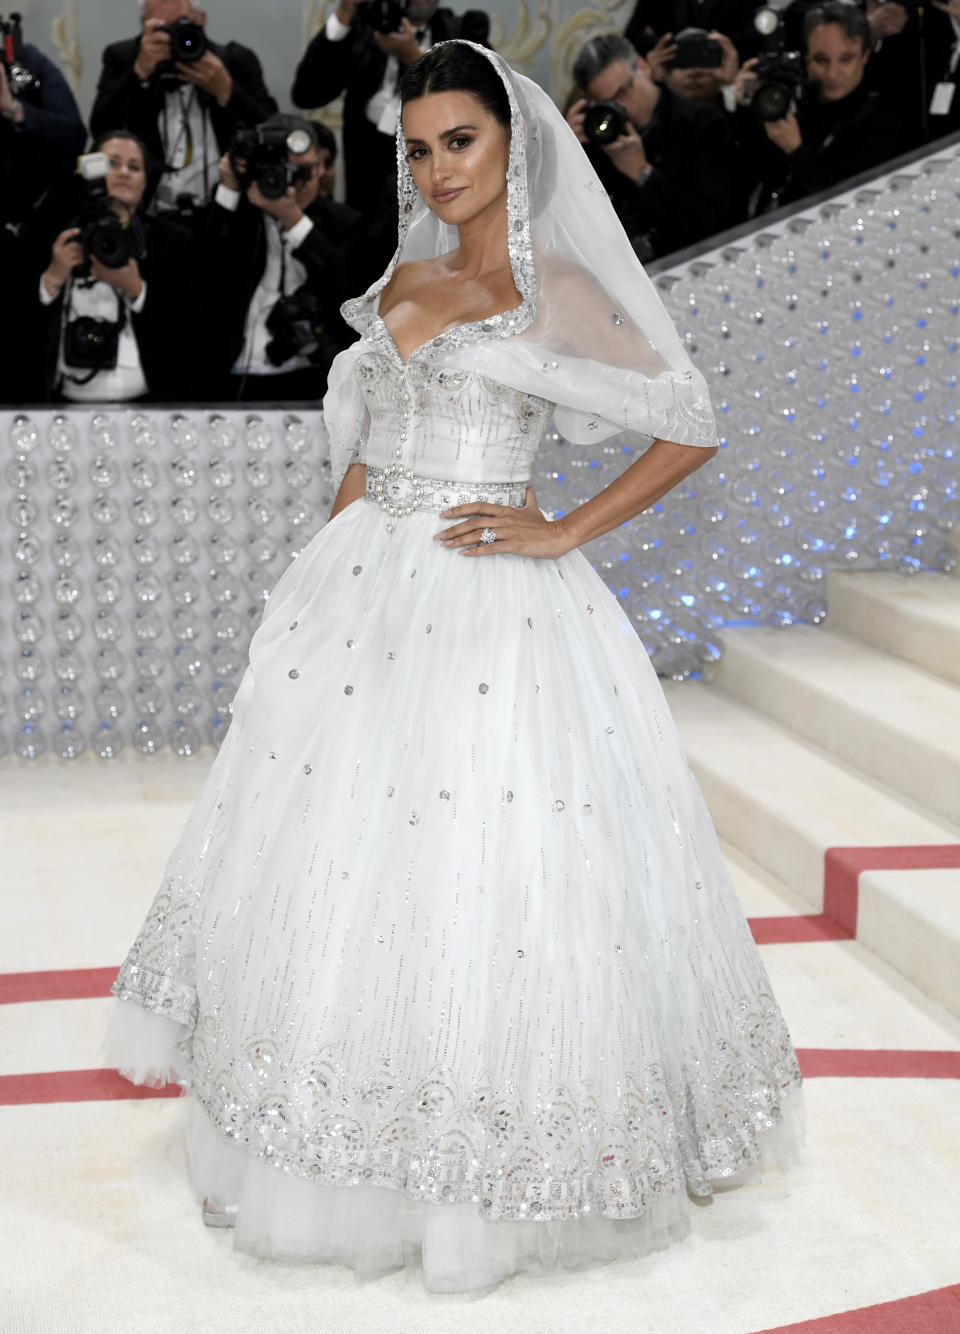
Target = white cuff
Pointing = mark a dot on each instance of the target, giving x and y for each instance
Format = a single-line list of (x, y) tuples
[(298, 233), (137, 306), (45, 298), (227, 198), (729, 94), (334, 29)]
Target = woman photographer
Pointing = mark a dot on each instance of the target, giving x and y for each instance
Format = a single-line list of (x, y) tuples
[(110, 289)]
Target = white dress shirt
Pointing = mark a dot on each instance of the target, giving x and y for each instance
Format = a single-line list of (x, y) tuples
[(101, 302), (281, 261), (189, 149), (383, 109)]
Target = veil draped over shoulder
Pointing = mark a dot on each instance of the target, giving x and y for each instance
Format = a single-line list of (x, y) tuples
[(590, 335)]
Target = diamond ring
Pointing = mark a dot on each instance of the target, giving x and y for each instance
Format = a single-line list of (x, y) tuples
[(488, 535)]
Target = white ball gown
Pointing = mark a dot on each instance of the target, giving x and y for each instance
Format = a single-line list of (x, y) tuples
[(447, 955)]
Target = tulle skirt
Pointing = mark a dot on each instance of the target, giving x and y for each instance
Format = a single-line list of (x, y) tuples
[(447, 955)]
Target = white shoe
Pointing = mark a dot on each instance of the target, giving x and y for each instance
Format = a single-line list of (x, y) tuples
[(216, 1217)]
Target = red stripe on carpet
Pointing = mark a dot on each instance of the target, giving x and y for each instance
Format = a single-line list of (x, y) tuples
[(796, 930), (847, 1063), (842, 868), (57, 984), (936, 1312), (75, 1086)]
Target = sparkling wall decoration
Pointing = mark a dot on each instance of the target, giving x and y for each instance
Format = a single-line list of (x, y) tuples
[(138, 545), (139, 548), (830, 346)]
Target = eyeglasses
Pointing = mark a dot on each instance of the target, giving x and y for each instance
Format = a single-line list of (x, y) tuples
[(624, 88)]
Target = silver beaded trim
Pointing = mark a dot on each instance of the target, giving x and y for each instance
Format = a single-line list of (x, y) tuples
[(399, 490)]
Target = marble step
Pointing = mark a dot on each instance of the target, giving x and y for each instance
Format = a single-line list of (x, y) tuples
[(780, 801), (892, 720), (916, 618)]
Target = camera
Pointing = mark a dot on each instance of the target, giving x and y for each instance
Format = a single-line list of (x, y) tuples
[(103, 233), (695, 50), (294, 325), (778, 75), (188, 41), (382, 15), (19, 78), (264, 151), (91, 345), (603, 122)]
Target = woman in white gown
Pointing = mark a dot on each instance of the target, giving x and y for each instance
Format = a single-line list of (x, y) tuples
[(447, 956)]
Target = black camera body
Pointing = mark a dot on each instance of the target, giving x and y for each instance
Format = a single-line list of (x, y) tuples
[(695, 50), (779, 75), (19, 78), (382, 16), (91, 345), (778, 79), (103, 233), (264, 151), (188, 41), (603, 122), (294, 325)]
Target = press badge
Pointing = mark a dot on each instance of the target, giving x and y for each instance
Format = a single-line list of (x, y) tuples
[(942, 99)]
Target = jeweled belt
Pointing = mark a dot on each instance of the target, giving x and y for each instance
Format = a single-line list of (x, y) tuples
[(399, 490)]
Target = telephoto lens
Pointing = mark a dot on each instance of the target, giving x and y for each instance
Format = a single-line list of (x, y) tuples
[(604, 122)]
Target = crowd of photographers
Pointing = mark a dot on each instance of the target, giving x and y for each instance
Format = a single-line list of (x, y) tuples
[(195, 250)]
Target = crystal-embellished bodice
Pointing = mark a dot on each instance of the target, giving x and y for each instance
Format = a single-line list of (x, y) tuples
[(445, 423)]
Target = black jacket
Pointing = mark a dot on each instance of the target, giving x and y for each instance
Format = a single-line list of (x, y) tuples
[(692, 192), (122, 102), (37, 161), (840, 139), (356, 65), (163, 328), (234, 255)]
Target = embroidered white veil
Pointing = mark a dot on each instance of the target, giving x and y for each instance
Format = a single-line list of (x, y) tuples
[(591, 334)]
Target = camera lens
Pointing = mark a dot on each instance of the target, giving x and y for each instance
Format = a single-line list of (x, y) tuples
[(272, 180), (771, 101), (604, 122)]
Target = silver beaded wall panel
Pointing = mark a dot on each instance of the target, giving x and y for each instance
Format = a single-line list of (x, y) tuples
[(830, 348), (138, 546)]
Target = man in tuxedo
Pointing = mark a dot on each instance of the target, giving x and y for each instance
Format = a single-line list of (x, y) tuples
[(276, 272), (186, 112), (347, 55)]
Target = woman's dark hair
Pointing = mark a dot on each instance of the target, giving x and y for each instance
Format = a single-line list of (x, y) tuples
[(105, 138), (454, 67)]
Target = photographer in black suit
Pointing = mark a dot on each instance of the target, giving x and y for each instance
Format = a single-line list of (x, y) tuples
[(115, 324), (185, 110), (671, 169), (277, 270), (348, 55)]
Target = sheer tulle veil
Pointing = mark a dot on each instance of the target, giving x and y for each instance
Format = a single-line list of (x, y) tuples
[(590, 335)]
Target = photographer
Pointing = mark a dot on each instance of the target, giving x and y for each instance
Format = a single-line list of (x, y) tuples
[(836, 128), (668, 163), (652, 26), (183, 96), (363, 49), (110, 289), (281, 259), (915, 64), (41, 134)]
